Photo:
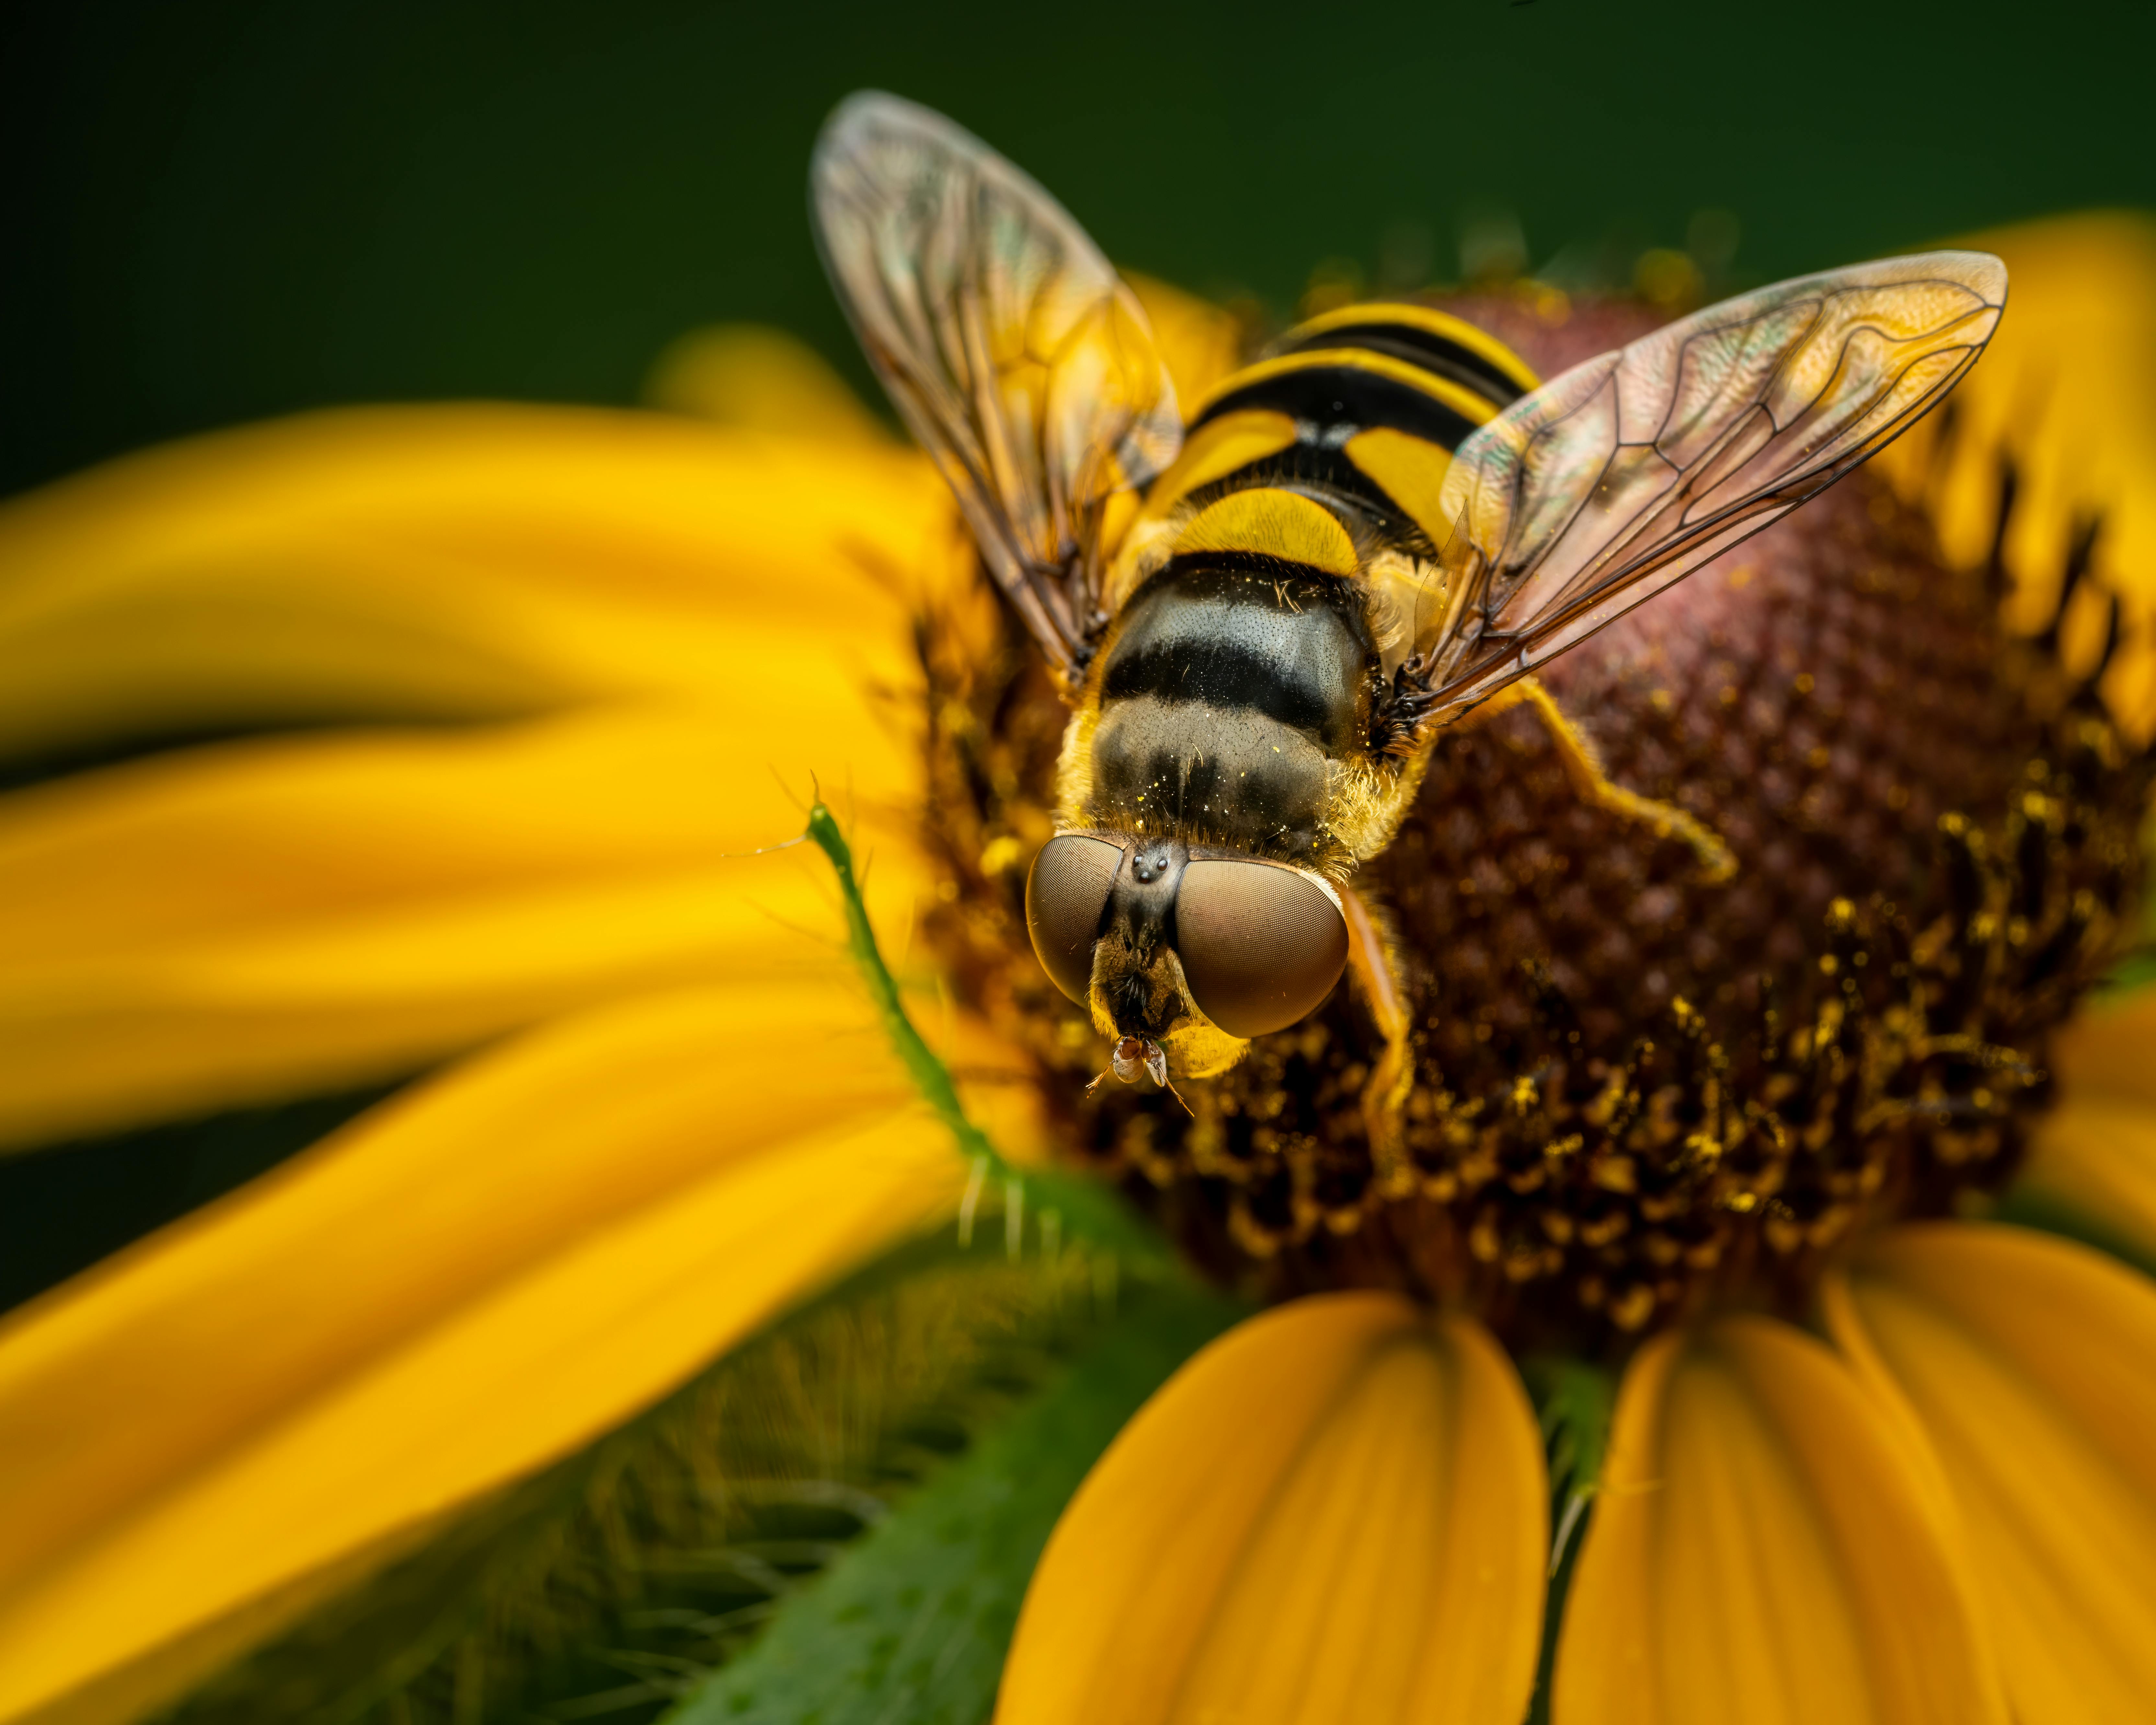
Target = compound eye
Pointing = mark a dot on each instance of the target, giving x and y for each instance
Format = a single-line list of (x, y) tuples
[(1066, 896), (1261, 945)]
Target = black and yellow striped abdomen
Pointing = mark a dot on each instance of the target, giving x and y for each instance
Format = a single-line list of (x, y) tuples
[(1243, 670), (1359, 410)]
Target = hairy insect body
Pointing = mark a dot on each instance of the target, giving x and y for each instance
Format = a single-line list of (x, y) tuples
[(1229, 700), (1242, 694), (1380, 525), (1240, 698)]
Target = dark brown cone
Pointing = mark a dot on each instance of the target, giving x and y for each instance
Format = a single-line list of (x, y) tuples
[(1636, 1089)]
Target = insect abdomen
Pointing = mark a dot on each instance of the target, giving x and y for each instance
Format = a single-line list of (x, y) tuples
[(1227, 688), (1262, 638), (1241, 676)]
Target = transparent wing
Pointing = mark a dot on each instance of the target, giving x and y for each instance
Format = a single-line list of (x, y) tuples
[(1015, 353), (1626, 473)]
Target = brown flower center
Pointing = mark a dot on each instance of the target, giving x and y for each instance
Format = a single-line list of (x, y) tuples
[(1636, 1089)]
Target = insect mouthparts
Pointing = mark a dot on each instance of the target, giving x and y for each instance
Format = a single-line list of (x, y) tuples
[(1140, 1054)]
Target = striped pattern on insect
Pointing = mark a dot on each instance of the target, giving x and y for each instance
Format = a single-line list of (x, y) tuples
[(1264, 606)]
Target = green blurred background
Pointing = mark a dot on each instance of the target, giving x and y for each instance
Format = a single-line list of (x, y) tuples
[(221, 209)]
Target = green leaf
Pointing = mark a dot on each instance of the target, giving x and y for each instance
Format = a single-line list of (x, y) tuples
[(912, 1623)]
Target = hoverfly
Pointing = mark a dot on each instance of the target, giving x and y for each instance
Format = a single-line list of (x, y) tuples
[(1263, 609)]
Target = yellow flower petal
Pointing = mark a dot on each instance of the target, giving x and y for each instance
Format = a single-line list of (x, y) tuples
[(1338, 1511), (469, 1282), (1198, 342), (2067, 391), (258, 919), (2105, 1051), (1761, 1551), (459, 561), (2029, 1365), (2096, 1157), (760, 378)]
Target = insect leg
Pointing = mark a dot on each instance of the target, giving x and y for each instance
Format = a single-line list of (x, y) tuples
[(1596, 787), (1392, 1075)]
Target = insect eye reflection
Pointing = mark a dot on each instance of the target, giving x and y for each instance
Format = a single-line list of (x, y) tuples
[(1066, 901), (1261, 945)]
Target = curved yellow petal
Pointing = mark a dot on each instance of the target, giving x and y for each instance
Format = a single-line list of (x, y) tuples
[(471, 1280), (2094, 1155), (261, 919), (1199, 342), (2105, 1050), (1338, 1511), (760, 378), (2028, 1365), (1761, 1550), (442, 561), (2067, 392)]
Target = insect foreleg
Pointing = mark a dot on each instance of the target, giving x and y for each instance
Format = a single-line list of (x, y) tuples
[(1587, 779), (1392, 1075), (1399, 718)]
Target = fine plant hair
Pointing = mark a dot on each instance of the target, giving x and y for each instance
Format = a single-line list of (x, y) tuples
[(608, 1586)]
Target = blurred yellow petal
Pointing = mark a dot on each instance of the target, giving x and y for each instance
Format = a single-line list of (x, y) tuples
[(2109, 1051), (1199, 342), (2029, 1365), (2067, 392), (476, 1278), (225, 925), (442, 561), (274, 832), (2094, 1155), (759, 378), (1759, 1552), (1338, 1511), (2095, 1158)]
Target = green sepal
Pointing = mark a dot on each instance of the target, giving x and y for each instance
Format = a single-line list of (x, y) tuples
[(913, 1622), (1574, 1401)]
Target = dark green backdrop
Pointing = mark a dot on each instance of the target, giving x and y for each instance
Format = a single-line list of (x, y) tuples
[(225, 208)]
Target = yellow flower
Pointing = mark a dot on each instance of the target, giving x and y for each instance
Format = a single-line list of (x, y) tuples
[(668, 1110), (527, 693)]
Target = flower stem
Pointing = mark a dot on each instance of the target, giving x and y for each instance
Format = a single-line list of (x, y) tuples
[(1091, 1210)]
